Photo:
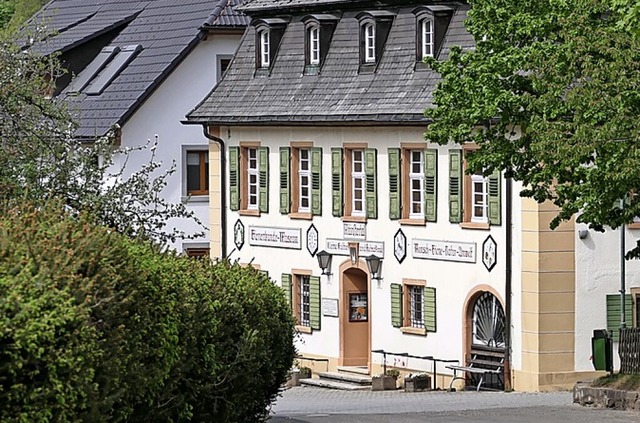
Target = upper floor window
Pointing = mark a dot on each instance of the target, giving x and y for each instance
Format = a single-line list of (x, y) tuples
[(353, 182), (374, 31), (300, 180), (197, 172), (265, 58), (412, 183), (314, 45), (369, 43), (479, 196), (249, 178), (427, 37)]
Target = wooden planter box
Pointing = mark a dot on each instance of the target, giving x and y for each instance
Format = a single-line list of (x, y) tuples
[(383, 383), (417, 384)]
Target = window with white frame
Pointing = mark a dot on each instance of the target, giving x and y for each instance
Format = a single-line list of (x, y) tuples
[(416, 183), (304, 315), (427, 38), (304, 180), (253, 179), (265, 59), (314, 45), (416, 306), (358, 180), (369, 43), (479, 199)]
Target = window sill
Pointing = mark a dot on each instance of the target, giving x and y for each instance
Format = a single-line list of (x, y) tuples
[(193, 198), (413, 222), (303, 329), (413, 331), (354, 219), (249, 212), (633, 225), (305, 216), (474, 225)]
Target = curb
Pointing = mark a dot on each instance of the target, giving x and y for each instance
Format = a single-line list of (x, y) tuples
[(616, 399)]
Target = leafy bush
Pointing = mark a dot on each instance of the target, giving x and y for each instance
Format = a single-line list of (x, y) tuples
[(95, 326)]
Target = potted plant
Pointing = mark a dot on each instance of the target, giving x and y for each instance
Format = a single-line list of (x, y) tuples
[(386, 381), (417, 382)]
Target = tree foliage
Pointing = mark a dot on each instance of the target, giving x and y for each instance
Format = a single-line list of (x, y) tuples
[(14, 13), (96, 326), (40, 158), (550, 94)]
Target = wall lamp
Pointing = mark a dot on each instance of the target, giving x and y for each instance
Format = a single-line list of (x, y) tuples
[(324, 261), (373, 263)]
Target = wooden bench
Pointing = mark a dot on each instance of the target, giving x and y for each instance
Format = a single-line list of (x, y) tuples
[(484, 360)]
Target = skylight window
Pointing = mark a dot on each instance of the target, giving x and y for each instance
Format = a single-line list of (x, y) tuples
[(93, 69), (113, 69)]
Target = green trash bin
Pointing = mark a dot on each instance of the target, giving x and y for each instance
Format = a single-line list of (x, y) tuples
[(602, 350)]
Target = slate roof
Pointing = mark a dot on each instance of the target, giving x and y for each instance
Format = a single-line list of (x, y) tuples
[(167, 30), (396, 93)]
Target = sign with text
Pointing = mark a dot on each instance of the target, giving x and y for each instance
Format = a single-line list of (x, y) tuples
[(340, 247), (330, 307), (464, 252), (354, 230), (275, 237)]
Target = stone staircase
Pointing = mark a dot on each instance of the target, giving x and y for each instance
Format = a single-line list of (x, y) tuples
[(347, 378)]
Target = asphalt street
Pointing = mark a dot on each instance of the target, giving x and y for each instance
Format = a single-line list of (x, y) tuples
[(314, 405)]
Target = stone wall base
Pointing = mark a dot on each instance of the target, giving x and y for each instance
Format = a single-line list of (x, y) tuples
[(546, 382), (586, 395)]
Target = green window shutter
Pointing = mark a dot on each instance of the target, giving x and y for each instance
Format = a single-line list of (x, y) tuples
[(336, 181), (613, 313), (430, 309), (263, 166), (286, 286), (316, 181), (285, 183), (396, 305), (395, 202), (455, 186), (370, 156), (495, 198), (314, 302), (430, 184), (234, 178)]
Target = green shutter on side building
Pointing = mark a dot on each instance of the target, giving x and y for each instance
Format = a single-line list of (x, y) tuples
[(396, 305), (263, 166), (430, 309), (613, 314), (495, 198), (234, 178), (395, 204), (336, 181), (285, 184), (286, 286), (371, 184), (430, 184), (316, 181), (455, 186), (314, 302)]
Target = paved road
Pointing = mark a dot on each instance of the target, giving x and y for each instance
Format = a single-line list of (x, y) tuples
[(313, 405)]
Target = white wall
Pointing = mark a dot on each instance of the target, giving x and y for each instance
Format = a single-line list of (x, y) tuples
[(453, 281), (161, 114)]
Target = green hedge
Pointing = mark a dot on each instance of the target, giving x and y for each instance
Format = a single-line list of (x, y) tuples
[(95, 326)]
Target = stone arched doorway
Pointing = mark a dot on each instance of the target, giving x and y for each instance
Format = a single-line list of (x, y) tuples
[(485, 334)]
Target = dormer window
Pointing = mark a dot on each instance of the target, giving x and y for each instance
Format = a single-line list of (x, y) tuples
[(265, 58), (431, 26), (269, 33), (426, 43), (314, 45), (318, 33), (374, 30), (369, 43)]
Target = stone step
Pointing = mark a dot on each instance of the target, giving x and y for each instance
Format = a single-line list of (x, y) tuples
[(358, 379), (334, 384), (361, 370)]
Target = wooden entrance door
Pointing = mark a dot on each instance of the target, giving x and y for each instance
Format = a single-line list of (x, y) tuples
[(356, 318)]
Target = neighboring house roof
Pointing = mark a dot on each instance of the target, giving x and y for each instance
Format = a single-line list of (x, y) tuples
[(159, 32), (396, 93)]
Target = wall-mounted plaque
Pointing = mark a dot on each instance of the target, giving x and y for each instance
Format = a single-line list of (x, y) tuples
[(489, 253), (275, 237), (312, 240), (238, 234), (464, 252), (340, 247), (354, 230), (400, 246), (330, 307)]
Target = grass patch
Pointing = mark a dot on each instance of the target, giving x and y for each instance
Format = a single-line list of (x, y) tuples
[(619, 381)]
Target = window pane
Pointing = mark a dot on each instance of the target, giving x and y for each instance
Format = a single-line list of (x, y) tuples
[(305, 303), (193, 178)]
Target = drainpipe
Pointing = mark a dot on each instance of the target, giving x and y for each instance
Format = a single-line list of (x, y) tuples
[(623, 289), (223, 189), (507, 288)]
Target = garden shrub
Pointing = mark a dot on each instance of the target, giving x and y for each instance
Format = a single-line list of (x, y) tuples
[(95, 326)]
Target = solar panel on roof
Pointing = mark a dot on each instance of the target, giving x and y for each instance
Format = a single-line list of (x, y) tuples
[(112, 70), (105, 55)]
